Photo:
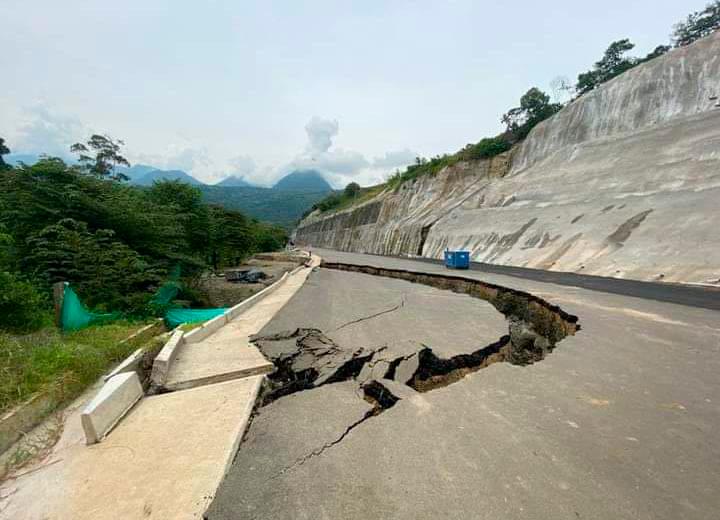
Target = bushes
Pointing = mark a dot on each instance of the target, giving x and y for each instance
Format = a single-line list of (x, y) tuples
[(22, 307), (107, 273), (486, 148)]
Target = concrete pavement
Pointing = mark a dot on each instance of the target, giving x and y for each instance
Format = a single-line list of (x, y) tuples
[(619, 421)]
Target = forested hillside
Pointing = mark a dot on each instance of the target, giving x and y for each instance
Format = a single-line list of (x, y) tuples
[(115, 243), (279, 207)]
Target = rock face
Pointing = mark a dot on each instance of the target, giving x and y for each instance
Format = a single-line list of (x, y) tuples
[(624, 181)]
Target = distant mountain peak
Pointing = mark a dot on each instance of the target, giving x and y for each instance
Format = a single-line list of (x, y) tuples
[(303, 180)]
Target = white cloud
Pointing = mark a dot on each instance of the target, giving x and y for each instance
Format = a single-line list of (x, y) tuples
[(395, 159), (320, 134), (340, 165), (44, 131), (242, 165)]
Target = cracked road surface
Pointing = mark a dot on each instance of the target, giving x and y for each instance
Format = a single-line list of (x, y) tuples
[(619, 421)]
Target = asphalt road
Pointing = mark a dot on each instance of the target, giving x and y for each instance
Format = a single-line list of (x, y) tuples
[(620, 421), (705, 297)]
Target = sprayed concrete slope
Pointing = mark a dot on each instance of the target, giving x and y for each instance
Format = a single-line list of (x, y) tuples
[(623, 182)]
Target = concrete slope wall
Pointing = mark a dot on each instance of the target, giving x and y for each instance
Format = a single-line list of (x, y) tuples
[(623, 182)]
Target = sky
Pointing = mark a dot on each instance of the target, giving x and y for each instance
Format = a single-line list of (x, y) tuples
[(257, 89)]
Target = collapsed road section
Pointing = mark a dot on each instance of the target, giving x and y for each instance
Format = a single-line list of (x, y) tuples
[(576, 435), (307, 358), (358, 342)]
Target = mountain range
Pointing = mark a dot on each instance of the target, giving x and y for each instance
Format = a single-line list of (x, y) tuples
[(283, 204)]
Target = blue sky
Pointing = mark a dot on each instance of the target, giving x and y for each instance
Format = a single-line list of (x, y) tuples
[(259, 88)]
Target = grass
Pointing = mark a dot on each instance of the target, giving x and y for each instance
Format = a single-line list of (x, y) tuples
[(64, 364), (339, 200), (484, 149)]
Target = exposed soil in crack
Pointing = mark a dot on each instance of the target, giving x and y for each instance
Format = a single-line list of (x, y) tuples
[(306, 358), (535, 327), (435, 372)]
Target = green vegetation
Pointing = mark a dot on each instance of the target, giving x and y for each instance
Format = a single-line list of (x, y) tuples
[(535, 107), (350, 196), (279, 207), (613, 63), (63, 364), (697, 25), (615, 60), (115, 243)]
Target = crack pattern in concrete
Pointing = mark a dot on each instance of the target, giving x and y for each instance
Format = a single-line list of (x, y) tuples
[(371, 316)]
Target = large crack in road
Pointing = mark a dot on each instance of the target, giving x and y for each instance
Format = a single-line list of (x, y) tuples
[(306, 358)]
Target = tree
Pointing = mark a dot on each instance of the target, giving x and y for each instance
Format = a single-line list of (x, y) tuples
[(613, 63), (4, 150), (352, 190), (535, 107), (106, 157), (186, 202), (697, 25), (656, 52)]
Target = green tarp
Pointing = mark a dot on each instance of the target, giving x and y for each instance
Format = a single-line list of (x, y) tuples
[(74, 315), (175, 317)]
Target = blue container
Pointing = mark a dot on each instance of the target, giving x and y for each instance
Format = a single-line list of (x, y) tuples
[(457, 259)]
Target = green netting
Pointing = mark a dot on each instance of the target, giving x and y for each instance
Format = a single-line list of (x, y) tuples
[(175, 317), (162, 299), (74, 315)]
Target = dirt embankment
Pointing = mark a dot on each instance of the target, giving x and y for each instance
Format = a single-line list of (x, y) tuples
[(217, 291)]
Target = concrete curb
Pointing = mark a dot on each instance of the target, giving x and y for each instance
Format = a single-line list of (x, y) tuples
[(132, 363), (162, 362), (241, 307), (110, 405)]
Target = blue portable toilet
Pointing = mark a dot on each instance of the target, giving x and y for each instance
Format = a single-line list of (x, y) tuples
[(457, 259)]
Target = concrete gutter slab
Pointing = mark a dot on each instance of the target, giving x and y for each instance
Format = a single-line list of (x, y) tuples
[(163, 461), (227, 353)]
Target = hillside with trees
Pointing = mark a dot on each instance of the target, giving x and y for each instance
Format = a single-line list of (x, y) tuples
[(115, 243)]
